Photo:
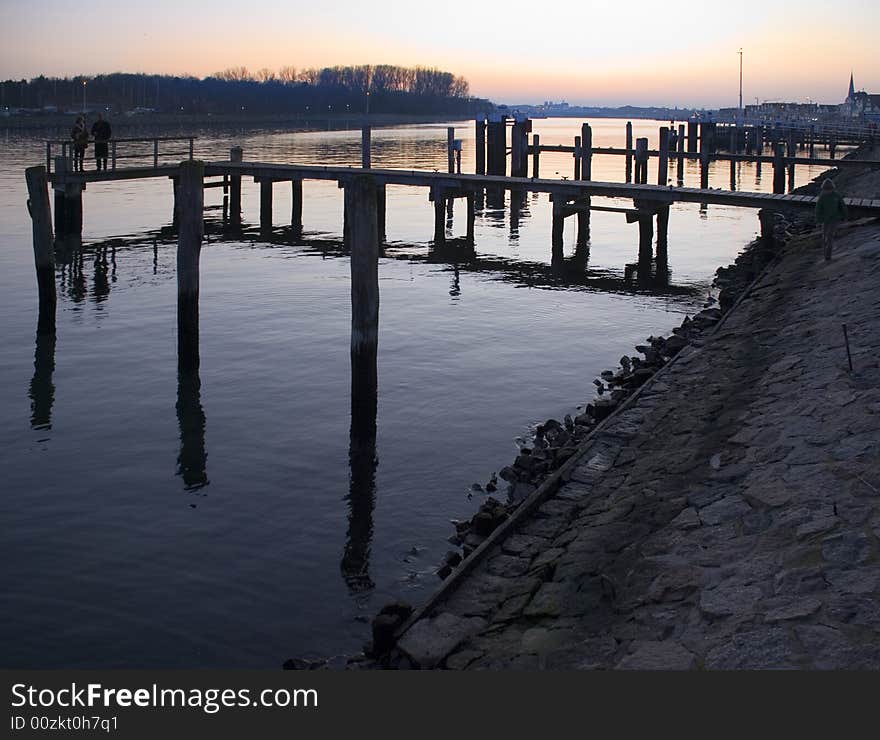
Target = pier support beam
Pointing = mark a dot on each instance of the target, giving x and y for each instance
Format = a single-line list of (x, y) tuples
[(536, 156), (662, 229), (44, 253), (577, 158), (296, 207), (266, 205), (778, 168), (663, 162), (235, 155), (471, 217), (439, 216), (496, 147), (558, 226), (704, 160), (450, 149), (646, 240), (679, 171), (692, 137), (641, 161), (191, 205), (629, 149), (586, 152), (583, 225), (361, 206), (480, 145)]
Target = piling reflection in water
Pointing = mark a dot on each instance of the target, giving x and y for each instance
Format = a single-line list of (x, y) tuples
[(42, 389), (193, 457), (362, 460)]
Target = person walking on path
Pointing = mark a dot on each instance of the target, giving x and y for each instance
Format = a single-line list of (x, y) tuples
[(80, 135), (830, 211), (101, 133)]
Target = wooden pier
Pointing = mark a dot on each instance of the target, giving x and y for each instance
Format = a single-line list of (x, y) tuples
[(365, 202)]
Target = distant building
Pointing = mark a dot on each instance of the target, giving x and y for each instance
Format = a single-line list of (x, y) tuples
[(860, 104), (782, 111)]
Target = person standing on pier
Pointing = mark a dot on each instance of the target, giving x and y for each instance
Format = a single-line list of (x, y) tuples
[(101, 133), (830, 211), (80, 135)]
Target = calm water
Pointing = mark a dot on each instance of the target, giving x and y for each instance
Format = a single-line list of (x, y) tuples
[(155, 521)]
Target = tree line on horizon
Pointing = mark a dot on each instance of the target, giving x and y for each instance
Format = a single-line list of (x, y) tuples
[(342, 89)]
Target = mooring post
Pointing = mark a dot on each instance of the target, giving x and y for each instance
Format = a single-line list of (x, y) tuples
[(380, 212), (266, 205), (679, 173), (646, 239), (642, 161), (792, 153), (296, 206), (704, 158), (496, 146), (44, 253), (734, 134), (536, 156), (663, 163), (759, 140), (361, 207), (439, 199), (60, 211), (450, 149), (586, 152), (732, 175), (778, 168), (191, 206), (480, 146), (235, 156), (471, 217), (692, 137), (366, 147), (629, 150), (174, 183), (812, 144), (558, 225), (577, 158)]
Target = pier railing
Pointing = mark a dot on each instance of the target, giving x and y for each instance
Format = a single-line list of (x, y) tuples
[(136, 152)]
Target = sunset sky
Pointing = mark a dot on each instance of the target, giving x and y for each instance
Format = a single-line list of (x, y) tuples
[(594, 53)]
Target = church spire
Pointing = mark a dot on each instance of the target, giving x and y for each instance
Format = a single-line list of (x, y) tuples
[(852, 88)]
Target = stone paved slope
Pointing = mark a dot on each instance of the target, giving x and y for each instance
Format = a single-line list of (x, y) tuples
[(730, 519)]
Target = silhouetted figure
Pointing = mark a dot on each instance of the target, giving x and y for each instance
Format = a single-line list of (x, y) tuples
[(830, 211), (101, 133), (42, 389), (355, 564), (79, 134)]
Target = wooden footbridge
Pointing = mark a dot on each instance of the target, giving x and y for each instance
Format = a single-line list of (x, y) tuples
[(364, 197)]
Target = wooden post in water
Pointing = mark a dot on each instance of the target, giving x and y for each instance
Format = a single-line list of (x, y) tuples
[(296, 207), (558, 224), (471, 217), (366, 147), (577, 158), (646, 239), (496, 147), (704, 158), (191, 206), (812, 146), (361, 206), (641, 161), (663, 162), (450, 149), (583, 225), (266, 205), (692, 137), (536, 156), (778, 168), (629, 149), (679, 173), (732, 175), (792, 153), (586, 152), (44, 253), (439, 217), (480, 146), (380, 212), (759, 140), (235, 155), (734, 134), (662, 229)]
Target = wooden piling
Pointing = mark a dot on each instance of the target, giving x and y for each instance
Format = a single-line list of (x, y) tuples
[(496, 147), (44, 253), (641, 157), (191, 206), (366, 147), (296, 206), (692, 137), (536, 156), (439, 217), (663, 162), (732, 175), (380, 212), (704, 158), (471, 217), (679, 169), (583, 225), (662, 229), (361, 206), (558, 224), (450, 149), (266, 205), (646, 240), (629, 149), (586, 152), (792, 153), (778, 168), (480, 147), (235, 155), (577, 158)]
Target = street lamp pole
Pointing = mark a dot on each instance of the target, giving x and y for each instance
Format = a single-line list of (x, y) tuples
[(84, 96)]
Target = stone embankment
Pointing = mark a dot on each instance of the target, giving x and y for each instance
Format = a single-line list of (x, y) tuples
[(725, 515)]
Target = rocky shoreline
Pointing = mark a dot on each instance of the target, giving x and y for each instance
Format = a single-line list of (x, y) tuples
[(537, 467)]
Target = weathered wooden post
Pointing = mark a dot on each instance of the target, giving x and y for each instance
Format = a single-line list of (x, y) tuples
[(191, 206), (450, 149), (380, 211), (558, 224), (235, 156), (778, 168), (361, 207), (732, 175), (471, 217), (812, 144), (792, 153), (646, 240), (641, 161), (733, 136), (759, 140), (704, 159), (583, 224), (266, 205), (629, 149), (577, 158), (679, 173), (296, 207), (439, 199), (44, 253), (663, 163), (662, 229), (586, 152), (536, 156), (480, 146), (366, 147), (496, 145)]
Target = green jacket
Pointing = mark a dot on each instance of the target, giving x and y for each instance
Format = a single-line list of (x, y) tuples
[(830, 207)]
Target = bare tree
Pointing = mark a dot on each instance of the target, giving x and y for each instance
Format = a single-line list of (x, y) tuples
[(287, 74)]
